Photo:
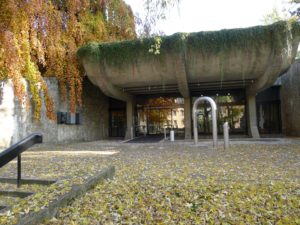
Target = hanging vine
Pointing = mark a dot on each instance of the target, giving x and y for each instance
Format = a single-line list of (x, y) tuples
[(40, 39)]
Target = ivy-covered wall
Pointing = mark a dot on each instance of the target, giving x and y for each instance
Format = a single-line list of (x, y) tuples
[(16, 121)]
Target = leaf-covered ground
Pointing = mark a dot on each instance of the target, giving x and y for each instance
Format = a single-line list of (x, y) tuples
[(164, 183), (182, 184), (65, 163)]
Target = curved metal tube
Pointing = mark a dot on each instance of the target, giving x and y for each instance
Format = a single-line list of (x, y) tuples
[(214, 119)]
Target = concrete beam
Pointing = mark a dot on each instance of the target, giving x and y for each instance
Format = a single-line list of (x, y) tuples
[(187, 118), (252, 119), (266, 80), (98, 77), (279, 62)]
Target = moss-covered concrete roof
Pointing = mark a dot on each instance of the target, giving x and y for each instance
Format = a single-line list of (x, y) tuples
[(207, 42), (230, 54)]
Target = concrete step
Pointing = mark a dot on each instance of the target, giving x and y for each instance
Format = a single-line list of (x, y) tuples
[(19, 194), (27, 181)]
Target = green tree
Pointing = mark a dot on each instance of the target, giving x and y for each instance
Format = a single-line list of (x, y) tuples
[(294, 9), (273, 17), (154, 12), (293, 15)]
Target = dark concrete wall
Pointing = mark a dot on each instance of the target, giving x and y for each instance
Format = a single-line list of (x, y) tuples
[(16, 122), (290, 100)]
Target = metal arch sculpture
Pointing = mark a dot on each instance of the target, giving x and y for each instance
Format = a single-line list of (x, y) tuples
[(214, 119)]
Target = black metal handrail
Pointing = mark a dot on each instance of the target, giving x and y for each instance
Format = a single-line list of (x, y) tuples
[(16, 150)]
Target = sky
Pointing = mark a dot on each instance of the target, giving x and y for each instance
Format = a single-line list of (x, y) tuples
[(205, 15)]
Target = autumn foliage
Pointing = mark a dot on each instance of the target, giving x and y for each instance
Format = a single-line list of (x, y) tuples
[(40, 38)]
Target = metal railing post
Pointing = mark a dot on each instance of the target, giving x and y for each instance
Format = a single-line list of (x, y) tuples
[(214, 126), (195, 125), (19, 171), (131, 132), (226, 135), (16, 150), (172, 135)]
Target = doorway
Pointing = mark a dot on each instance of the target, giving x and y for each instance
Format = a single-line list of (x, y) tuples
[(269, 111), (231, 108), (117, 118), (268, 117), (117, 123), (156, 114)]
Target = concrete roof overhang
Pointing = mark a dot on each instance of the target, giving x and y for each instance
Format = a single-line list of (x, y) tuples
[(250, 58)]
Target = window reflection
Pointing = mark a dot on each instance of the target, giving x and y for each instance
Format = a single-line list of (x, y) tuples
[(230, 108)]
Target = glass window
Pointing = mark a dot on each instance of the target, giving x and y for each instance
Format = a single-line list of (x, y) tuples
[(230, 108)]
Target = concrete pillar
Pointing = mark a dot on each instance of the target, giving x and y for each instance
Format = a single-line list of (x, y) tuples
[(187, 118), (130, 129), (252, 120)]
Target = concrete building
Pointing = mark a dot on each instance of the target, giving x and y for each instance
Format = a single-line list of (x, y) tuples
[(240, 68), (233, 66)]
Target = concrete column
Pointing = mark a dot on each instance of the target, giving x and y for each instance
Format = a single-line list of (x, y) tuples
[(187, 118), (130, 129), (252, 120)]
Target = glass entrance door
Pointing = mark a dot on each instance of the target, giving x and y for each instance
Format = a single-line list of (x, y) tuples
[(234, 114), (204, 119), (268, 117), (160, 118), (153, 120), (230, 108), (117, 123), (269, 111), (155, 114)]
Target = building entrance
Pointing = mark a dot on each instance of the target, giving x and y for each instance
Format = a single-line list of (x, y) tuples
[(117, 118), (117, 123), (268, 111), (156, 114), (230, 108), (153, 120)]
